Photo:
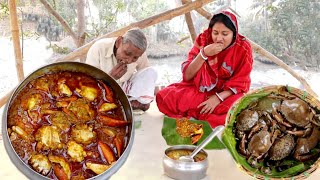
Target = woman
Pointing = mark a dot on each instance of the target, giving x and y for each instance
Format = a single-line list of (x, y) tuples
[(215, 75)]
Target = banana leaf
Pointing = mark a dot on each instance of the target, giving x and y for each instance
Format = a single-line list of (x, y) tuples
[(228, 138), (171, 136)]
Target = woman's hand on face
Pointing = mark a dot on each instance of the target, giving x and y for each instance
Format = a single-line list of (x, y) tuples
[(213, 49), (209, 105), (118, 71)]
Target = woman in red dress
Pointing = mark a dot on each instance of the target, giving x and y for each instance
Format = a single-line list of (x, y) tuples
[(215, 75)]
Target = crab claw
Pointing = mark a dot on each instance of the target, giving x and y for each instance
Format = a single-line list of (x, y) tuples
[(61, 175), (60, 167), (40, 163), (22, 133), (108, 92), (107, 152), (107, 107), (97, 168), (112, 122), (196, 136), (119, 145)]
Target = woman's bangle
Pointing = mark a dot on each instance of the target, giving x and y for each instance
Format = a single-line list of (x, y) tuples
[(202, 54), (219, 97)]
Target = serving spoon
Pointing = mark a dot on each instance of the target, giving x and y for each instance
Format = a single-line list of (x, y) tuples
[(189, 158)]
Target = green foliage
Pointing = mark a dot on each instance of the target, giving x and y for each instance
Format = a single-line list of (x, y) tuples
[(293, 32), (4, 10), (141, 9), (107, 15)]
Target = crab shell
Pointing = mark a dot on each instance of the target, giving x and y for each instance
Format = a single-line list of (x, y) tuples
[(246, 120), (296, 111), (282, 147)]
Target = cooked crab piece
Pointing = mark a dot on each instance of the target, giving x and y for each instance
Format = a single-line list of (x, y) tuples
[(42, 84), (34, 102), (108, 93), (60, 166), (90, 93), (83, 134), (82, 110), (22, 133), (62, 104), (196, 136), (64, 89), (118, 141), (76, 151), (109, 132), (59, 119), (64, 101), (112, 122), (107, 107), (107, 152), (186, 128), (40, 163), (97, 168), (48, 137)]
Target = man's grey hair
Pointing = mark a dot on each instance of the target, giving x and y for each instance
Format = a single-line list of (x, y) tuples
[(136, 37)]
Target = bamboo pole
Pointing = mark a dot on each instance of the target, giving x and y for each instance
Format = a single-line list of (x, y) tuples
[(4, 99), (190, 23), (16, 39), (201, 11), (167, 15), (279, 62)]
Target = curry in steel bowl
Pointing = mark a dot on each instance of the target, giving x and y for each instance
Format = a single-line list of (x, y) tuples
[(67, 125), (274, 132)]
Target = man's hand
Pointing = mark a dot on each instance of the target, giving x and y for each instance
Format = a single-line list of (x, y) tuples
[(118, 71)]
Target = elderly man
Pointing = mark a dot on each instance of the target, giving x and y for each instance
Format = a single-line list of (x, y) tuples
[(124, 59)]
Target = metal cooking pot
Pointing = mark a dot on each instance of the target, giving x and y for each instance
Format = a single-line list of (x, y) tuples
[(183, 170), (74, 67)]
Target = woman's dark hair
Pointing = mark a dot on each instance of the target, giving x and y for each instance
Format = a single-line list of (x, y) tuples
[(226, 21)]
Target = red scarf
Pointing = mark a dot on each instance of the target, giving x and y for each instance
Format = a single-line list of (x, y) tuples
[(229, 69)]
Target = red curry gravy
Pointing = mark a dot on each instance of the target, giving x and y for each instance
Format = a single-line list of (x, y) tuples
[(67, 125)]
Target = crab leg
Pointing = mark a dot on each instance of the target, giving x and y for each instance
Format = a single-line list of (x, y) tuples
[(112, 122), (279, 118), (119, 145), (108, 92), (61, 175), (242, 146), (107, 152)]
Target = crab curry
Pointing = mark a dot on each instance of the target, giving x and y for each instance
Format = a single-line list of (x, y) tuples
[(67, 125)]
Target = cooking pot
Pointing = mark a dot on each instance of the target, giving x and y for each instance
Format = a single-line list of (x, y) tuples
[(73, 67), (183, 170)]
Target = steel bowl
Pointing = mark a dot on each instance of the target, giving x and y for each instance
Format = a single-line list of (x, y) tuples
[(73, 67), (184, 170)]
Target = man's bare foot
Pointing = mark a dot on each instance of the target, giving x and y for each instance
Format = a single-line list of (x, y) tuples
[(137, 105)]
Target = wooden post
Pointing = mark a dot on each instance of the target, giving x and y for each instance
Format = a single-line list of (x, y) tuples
[(279, 62), (4, 99), (167, 15), (190, 23), (16, 39), (201, 11)]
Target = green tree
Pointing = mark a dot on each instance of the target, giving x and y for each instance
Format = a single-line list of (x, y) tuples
[(293, 33)]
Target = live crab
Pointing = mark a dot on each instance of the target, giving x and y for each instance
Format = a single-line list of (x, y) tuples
[(278, 127)]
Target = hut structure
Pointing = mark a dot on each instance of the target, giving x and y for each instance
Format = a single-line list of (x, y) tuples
[(184, 9)]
